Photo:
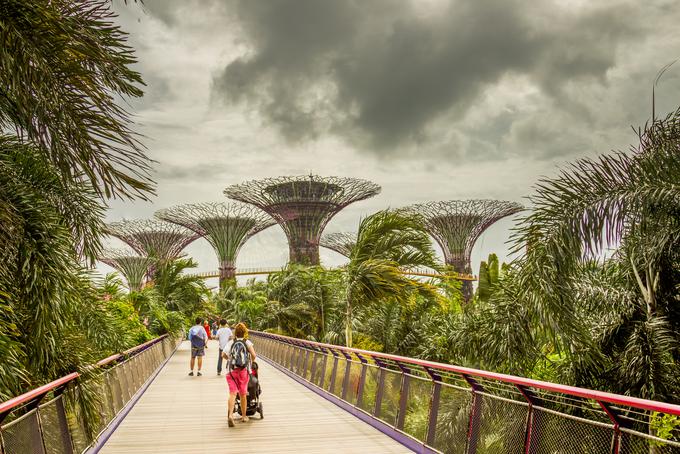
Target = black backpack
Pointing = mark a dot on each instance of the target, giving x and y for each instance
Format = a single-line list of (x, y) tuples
[(238, 355)]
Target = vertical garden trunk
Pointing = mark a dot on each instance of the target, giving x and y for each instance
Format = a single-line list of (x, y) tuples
[(227, 274)]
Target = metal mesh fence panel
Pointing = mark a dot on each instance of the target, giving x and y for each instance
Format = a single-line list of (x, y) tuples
[(558, 433), (636, 443), (306, 365), (453, 420), (55, 429), (352, 382), (417, 407), (370, 389), (389, 406), (502, 426), (338, 378), (22, 435), (76, 427)]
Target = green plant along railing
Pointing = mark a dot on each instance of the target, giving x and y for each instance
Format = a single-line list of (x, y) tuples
[(434, 407), (45, 421)]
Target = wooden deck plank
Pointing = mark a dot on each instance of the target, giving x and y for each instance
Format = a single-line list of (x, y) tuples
[(182, 414)]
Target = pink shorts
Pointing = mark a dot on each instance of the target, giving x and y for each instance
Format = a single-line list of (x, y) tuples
[(237, 380)]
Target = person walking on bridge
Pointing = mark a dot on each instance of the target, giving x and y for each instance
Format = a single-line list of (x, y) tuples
[(240, 353), (223, 336), (199, 342)]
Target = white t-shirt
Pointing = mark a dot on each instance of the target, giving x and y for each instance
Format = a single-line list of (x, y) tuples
[(224, 335)]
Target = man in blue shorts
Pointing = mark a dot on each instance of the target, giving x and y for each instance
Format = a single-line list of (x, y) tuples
[(199, 342)]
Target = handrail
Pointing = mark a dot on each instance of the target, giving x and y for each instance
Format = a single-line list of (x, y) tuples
[(14, 402), (598, 396), (38, 393), (129, 351)]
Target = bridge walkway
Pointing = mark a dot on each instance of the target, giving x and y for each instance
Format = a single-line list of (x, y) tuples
[(182, 414)]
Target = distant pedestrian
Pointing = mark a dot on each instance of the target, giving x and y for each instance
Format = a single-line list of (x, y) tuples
[(224, 335), (206, 327), (199, 342), (213, 328), (240, 354)]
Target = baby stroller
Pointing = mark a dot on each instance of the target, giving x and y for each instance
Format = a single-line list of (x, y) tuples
[(253, 405)]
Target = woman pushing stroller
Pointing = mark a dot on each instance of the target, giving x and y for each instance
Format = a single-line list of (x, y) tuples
[(240, 354)]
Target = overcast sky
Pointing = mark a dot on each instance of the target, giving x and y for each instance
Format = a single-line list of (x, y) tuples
[(431, 99)]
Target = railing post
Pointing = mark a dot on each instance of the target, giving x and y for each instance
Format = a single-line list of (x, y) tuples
[(304, 364), (312, 372), (331, 388), (616, 420), (530, 431), (345, 380), (381, 386), (300, 359), (475, 415), (362, 379), (322, 378), (403, 395), (434, 406)]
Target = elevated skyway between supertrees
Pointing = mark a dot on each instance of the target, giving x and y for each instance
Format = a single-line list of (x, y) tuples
[(133, 267), (153, 238), (226, 226), (419, 272), (457, 224), (303, 206)]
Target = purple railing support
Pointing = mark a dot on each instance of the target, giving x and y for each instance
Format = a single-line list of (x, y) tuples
[(475, 415), (381, 386), (312, 372), (530, 431), (348, 369), (305, 363), (322, 378), (362, 379), (403, 395), (434, 406), (331, 387)]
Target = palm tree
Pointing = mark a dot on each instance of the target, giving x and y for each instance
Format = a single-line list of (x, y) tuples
[(628, 202), (64, 65), (388, 242)]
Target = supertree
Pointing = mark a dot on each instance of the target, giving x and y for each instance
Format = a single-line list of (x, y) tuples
[(340, 242), (457, 224), (303, 205), (153, 238), (226, 226), (133, 267)]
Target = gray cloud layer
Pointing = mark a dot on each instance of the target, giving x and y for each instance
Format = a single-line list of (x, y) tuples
[(381, 72)]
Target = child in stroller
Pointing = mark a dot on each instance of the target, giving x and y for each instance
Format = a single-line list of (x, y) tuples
[(253, 404)]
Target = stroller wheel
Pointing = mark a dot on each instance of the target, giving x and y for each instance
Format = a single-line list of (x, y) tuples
[(260, 411)]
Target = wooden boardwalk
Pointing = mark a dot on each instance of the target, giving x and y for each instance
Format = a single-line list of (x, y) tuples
[(182, 414)]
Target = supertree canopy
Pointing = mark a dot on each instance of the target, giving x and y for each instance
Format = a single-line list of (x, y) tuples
[(153, 238), (133, 267), (340, 242), (303, 205), (226, 226), (457, 224)]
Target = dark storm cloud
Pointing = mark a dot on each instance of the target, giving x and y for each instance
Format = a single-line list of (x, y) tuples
[(380, 72)]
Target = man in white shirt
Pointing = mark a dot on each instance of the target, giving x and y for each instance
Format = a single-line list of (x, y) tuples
[(199, 342), (224, 335)]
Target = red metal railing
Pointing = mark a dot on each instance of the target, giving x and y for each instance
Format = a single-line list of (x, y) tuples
[(55, 426), (435, 407)]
